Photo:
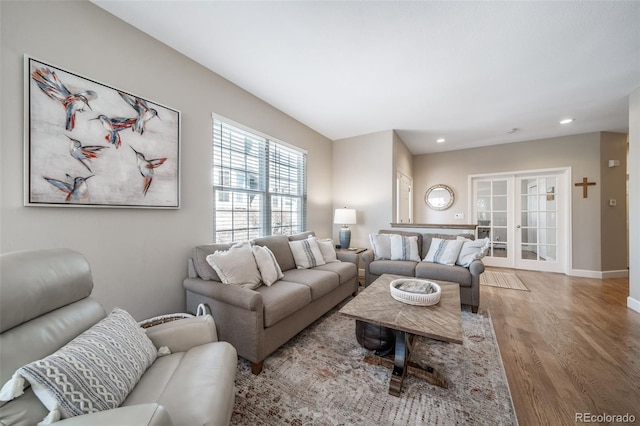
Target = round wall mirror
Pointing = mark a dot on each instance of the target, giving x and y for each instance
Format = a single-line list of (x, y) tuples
[(439, 197)]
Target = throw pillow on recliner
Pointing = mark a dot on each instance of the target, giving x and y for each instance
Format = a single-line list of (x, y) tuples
[(96, 371)]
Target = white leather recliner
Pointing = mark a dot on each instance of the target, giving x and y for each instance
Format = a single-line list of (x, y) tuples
[(45, 302)]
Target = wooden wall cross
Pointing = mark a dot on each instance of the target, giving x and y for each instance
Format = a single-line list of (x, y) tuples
[(584, 184)]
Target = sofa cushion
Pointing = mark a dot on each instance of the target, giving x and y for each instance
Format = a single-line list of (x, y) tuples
[(283, 299), (96, 370), (279, 245), (404, 248), (306, 253), (437, 271), (345, 270), (203, 268), (236, 266), (196, 387), (444, 251), (319, 282), (267, 264), (396, 267)]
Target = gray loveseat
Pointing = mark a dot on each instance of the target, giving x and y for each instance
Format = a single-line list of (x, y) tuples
[(45, 302), (258, 321), (468, 278)]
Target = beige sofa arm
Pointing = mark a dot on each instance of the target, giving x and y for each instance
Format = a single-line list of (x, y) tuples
[(347, 257), (143, 415), (230, 294), (367, 258), (184, 334)]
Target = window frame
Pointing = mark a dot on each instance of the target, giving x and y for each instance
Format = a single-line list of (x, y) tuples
[(264, 188)]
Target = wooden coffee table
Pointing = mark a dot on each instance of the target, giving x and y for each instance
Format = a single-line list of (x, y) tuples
[(441, 321)]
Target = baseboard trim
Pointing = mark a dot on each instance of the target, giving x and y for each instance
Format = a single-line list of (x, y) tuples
[(633, 304), (622, 273)]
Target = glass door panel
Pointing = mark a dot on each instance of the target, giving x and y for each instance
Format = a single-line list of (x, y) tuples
[(492, 213), (523, 215), (537, 239)]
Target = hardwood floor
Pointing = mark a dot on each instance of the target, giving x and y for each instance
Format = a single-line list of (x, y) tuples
[(570, 345)]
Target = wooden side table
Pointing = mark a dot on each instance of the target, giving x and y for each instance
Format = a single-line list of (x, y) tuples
[(351, 250)]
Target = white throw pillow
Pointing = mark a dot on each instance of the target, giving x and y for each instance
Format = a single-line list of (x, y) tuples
[(472, 250), (404, 248), (306, 253), (443, 251), (236, 266), (327, 248), (267, 265), (93, 372), (381, 244)]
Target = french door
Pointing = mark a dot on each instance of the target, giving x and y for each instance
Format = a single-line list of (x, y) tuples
[(525, 217)]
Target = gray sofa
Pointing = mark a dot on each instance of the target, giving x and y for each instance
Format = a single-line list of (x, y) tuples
[(257, 322), (468, 278), (45, 302)]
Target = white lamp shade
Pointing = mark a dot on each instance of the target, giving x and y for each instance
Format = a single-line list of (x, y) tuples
[(345, 217)]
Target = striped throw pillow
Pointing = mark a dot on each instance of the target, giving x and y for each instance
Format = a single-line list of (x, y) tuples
[(404, 248), (443, 251), (306, 253)]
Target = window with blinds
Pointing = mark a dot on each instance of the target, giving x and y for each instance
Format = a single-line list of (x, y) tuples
[(259, 185)]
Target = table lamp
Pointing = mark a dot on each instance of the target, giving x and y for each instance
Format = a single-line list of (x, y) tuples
[(345, 217)]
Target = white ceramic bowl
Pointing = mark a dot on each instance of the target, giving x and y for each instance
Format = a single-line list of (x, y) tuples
[(415, 298)]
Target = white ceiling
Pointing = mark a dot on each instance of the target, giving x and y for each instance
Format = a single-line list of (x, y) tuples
[(463, 71)]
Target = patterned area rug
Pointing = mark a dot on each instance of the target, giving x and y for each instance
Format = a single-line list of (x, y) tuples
[(320, 378), (502, 280)]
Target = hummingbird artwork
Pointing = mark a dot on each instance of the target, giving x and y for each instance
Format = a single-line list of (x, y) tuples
[(146, 168), (142, 109), (84, 153), (76, 188), (113, 127), (51, 85)]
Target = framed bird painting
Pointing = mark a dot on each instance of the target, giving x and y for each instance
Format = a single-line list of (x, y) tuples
[(89, 144)]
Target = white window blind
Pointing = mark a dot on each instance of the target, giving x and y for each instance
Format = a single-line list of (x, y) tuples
[(259, 185)]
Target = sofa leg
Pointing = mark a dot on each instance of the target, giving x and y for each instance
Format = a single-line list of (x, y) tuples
[(256, 367), (474, 309)]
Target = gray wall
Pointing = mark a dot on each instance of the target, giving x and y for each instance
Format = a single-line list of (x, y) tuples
[(138, 256), (613, 223), (580, 152), (363, 179), (634, 200)]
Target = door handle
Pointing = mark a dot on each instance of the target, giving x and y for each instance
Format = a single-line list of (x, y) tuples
[(517, 226)]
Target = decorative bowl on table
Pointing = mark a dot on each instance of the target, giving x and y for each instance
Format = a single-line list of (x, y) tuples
[(414, 291)]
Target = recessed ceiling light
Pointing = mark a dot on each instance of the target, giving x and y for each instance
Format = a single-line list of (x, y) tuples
[(513, 130), (440, 140), (567, 120)]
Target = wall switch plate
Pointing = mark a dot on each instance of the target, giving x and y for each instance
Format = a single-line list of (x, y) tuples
[(459, 216), (612, 203)]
